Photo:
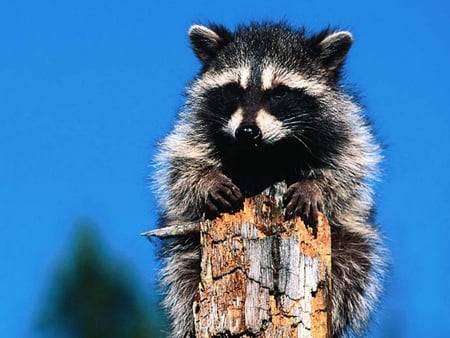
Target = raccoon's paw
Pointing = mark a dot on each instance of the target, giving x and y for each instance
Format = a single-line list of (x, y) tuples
[(223, 197), (303, 199)]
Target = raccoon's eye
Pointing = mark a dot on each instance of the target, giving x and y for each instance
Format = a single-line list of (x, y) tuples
[(232, 92), (224, 100), (279, 92)]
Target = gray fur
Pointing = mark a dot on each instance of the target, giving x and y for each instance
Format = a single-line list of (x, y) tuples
[(335, 180)]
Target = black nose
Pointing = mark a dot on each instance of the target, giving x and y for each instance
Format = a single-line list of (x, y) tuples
[(248, 134)]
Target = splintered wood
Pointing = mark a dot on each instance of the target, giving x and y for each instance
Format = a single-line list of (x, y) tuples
[(262, 276)]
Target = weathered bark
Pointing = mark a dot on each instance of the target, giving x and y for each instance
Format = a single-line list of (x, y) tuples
[(262, 276)]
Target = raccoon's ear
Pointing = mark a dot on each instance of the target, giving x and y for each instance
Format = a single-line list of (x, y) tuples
[(333, 49), (208, 41)]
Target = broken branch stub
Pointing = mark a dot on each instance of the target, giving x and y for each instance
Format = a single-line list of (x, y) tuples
[(262, 276)]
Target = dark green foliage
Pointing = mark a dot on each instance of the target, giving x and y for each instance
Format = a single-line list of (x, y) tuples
[(92, 296)]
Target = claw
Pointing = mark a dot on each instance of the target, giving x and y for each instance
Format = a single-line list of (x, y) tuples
[(223, 197), (303, 199)]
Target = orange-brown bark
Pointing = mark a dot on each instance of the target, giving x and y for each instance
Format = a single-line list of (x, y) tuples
[(263, 276)]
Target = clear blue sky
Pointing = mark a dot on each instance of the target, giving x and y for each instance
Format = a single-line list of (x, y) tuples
[(87, 87)]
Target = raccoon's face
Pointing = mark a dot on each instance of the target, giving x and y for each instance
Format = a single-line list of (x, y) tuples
[(265, 83)]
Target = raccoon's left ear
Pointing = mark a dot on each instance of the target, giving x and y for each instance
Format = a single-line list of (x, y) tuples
[(208, 41), (333, 49)]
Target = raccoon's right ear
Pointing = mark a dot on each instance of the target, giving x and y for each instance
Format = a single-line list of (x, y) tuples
[(334, 48), (208, 41)]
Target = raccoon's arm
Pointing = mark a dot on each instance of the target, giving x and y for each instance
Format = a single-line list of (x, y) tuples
[(330, 191), (193, 183), (199, 189)]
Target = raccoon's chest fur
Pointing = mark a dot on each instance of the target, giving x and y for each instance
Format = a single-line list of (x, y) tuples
[(254, 170), (252, 173)]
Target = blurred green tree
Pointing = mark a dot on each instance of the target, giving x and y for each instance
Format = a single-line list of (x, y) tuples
[(92, 296)]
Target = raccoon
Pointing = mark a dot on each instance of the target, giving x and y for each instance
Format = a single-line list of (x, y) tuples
[(268, 106)]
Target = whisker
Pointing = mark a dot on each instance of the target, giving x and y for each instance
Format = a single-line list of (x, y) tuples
[(298, 138)]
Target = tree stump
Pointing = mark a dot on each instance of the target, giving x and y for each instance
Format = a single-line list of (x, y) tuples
[(262, 276)]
